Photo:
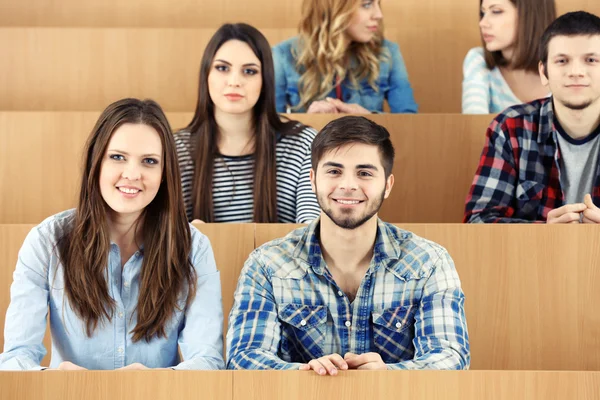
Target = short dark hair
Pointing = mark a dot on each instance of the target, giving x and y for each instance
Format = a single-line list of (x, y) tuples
[(577, 23), (533, 16), (352, 129)]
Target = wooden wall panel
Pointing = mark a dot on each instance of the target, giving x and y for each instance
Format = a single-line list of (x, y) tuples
[(211, 14), (232, 244), (436, 159), (86, 69)]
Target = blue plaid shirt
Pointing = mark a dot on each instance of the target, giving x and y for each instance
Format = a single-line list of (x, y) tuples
[(409, 307)]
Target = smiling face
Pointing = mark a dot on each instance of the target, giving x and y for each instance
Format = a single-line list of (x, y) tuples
[(365, 21), (498, 24), (235, 79), (573, 70), (131, 169), (350, 184)]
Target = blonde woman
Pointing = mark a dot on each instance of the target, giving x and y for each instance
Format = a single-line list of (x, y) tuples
[(340, 62)]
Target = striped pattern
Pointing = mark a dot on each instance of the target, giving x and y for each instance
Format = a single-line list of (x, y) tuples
[(233, 180), (409, 307), (484, 91)]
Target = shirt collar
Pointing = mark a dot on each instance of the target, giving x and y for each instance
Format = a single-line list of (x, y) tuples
[(546, 128), (386, 251)]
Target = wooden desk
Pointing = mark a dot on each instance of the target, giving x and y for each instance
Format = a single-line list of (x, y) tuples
[(289, 385), (422, 385), (116, 385)]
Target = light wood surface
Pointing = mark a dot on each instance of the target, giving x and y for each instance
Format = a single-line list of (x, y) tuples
[(531, 291), (436, 158), (85, 69), (207, 13), (116, 385), (231, 243), (275, 385), (423, 385)]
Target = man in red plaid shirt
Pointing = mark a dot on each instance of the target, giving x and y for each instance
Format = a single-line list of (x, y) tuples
[(540, 160)]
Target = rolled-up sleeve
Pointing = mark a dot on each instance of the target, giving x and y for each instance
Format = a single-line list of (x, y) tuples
[(25, 324)]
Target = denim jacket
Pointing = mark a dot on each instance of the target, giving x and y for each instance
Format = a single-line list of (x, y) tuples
[(392, 82)]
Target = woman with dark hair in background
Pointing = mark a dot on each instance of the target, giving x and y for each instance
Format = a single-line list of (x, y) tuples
[(504, 72), (239, 161), (126, 280)]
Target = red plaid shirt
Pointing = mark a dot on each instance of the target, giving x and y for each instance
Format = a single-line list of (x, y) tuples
[(517, 179)]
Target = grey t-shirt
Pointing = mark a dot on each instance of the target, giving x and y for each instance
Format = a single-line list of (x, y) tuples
[(578, 164)]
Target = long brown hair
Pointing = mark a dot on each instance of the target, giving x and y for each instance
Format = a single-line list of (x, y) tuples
[(323, 53), (203, 129), (533, 17), (166, 271)]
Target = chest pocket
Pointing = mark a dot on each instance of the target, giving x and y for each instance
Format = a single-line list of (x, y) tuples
[(393, 333), (528, 196), (302, 332)]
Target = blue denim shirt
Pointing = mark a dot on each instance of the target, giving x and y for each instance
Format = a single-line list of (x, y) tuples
[(38, 290), (392, 82), (409, 307)]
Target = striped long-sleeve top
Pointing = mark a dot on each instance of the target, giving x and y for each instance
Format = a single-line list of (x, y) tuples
[(233, 180), (484, 90)]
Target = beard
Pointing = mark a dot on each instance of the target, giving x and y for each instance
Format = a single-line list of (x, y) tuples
[(347, 220), (577, 106)]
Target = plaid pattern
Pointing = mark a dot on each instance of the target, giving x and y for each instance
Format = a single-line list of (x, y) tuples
[(409, 307), (517, 179)]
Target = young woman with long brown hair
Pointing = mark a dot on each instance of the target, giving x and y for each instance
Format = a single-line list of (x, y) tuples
[(239, 161), (340, 62), (125, 279)]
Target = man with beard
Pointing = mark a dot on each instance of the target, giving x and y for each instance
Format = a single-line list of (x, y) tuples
[(540, 160), (349, 291)]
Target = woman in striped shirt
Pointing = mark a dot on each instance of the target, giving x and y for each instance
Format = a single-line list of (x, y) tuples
[(239, 161), (505, 71)]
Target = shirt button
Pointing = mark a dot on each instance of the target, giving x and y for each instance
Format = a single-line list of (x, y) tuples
[(340, 293), (348, 323), (126, 284), (303, 323), (120, 315), (398, 325), (120, 350)]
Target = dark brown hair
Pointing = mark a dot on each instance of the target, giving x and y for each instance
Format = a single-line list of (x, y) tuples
[(203, 129), (352, 129), (533, 16), (577, 23), (166, 271)]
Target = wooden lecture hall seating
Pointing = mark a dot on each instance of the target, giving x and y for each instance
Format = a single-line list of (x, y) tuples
[(526, 310), (96, 53), (437, 155), (531, 291)]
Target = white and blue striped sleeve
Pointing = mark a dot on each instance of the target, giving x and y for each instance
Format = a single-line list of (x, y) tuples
[(476, 83)]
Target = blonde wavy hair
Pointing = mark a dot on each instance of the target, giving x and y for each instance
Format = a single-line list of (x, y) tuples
[(324, 51)]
